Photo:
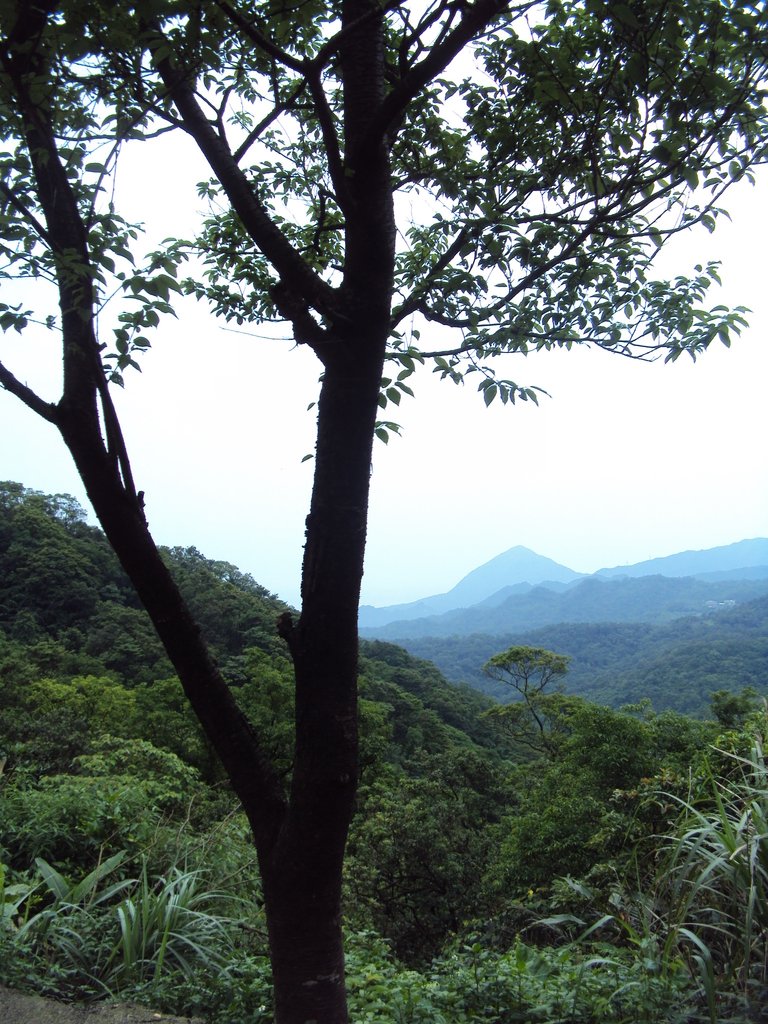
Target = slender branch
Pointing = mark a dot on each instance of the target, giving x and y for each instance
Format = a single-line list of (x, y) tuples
[(648, 351), (116, 446), (267, 120), (476, 18), (414, 38), (27, 214), (601, 221), (330, 138), (287, 261), (259, 39), (412, 304), (46, 410)]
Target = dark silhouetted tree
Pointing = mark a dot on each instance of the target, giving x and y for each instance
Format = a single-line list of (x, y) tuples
[(546, 150)]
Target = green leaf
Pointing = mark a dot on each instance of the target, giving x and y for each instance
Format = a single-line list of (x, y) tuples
[(489, 393)]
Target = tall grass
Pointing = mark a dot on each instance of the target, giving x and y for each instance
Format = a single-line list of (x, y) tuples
[(173, 924), (714, 882), (105, 938)]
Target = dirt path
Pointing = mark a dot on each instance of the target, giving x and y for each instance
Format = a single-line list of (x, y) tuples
[(18, 1008)]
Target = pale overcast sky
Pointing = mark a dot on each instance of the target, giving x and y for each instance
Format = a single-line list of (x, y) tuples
[(625, 461)]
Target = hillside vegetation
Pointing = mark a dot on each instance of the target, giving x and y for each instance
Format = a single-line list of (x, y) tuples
[(544, 863), (676, 665)]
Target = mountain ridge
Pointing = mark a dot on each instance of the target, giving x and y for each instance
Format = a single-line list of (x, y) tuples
[(742, 554), (518, 571)]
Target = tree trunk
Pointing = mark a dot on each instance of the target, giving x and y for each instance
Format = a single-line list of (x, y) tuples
[(300, 848), (303, 910), (302, 874)]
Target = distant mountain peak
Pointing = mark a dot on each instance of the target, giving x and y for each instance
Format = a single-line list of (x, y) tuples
[(514, 566)]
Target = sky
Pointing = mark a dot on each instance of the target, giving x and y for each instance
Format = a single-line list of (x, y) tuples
[(625, 461)]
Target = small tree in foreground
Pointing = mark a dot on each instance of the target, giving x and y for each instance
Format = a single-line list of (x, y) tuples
[(547, 151)]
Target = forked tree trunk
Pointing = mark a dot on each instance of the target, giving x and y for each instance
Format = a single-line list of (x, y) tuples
[(301, 848), (300, 843), (300, 840)]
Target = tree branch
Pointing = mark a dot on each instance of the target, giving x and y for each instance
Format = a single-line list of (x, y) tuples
[(267, 120), (330, 138), (46, 410), (259, 39), (412, 304), (476, 18), (287, 261), (27, 214)]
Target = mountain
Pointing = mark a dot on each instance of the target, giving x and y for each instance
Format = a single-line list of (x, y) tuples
[(651, 599), (732, 559), (516, 573), (519, 567)]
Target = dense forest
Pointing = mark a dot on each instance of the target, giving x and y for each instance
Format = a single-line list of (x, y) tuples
[(552, 859), (676, 665)]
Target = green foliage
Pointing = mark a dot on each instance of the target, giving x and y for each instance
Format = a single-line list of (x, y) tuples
[(522, 242), (586, 140), (528, 670), (167, 926), (732, 709), (481, 885), (472, 983), (115, 798), (677, 665), (389, 674), (714, 879), (267, 697), (419, 849), (128, 936), (234, 612), (570, 816)]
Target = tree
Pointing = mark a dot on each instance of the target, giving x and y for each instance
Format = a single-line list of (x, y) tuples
[(548, 149), (732, 709), (534, 719)]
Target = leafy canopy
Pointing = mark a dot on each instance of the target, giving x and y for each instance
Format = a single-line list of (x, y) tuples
[(535, 176)]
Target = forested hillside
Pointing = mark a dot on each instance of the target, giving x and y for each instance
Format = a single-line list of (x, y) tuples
[(501, 860), (676, 665), (66, 609)]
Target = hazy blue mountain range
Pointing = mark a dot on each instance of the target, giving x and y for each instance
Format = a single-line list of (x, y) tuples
[(520, 590), (731, 559)]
